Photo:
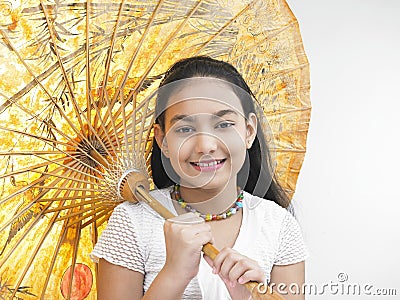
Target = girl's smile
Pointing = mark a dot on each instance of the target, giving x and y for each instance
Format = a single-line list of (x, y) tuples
[(208, 166)]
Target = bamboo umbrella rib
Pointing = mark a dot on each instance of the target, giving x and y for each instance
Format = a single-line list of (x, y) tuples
[(48, 141), (94, 231), (111, 124), (34, 183), (73, 55), (144, 150), (75, 166), (133, 112), (98, 115), (138, 47), (75, 249), (37, 153), (93, 220), (92, 204), (99, 137), (77, 197), (29, 205), (142, 126), (133, 133), (108, 115), (148, 145), (105, 218), (81, 203), (87, 62), (74, 257), (65, 77), (37, 80), (170, 38), (106, 128), (70, 178), (61, 65), (110, 52), (35, 252), (94, 212), (77, 236), (81, 212), (92, 130), (14, 50), (72, 141), (37, 137), (28, 169), (57, 248), (65, 189), (21, 238), (125, 137), (37, 218), (74, 162), (53, 259)]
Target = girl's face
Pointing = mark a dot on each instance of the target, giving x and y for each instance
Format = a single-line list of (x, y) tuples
[(206, 134)]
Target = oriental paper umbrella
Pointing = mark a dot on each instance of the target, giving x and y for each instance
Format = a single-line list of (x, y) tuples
[(76, 114)]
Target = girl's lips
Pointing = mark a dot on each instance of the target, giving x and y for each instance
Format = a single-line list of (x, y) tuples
[(207, 166)]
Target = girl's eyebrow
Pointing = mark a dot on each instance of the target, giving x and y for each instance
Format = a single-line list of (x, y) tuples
[(224, 112), (189, 118), (177, 118)]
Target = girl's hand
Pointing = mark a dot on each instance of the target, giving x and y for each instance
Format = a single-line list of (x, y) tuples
[(183, 248), (235, 270)]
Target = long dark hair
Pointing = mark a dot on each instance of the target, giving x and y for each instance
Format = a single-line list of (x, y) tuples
[(256, 174)]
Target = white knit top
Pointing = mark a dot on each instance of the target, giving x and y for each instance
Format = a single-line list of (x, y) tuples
[(134, 239)]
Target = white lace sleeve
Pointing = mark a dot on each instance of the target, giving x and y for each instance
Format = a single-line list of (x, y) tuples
[(119, 242), (291, 244)]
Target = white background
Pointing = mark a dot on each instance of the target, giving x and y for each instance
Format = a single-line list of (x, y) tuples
[(347, 197)]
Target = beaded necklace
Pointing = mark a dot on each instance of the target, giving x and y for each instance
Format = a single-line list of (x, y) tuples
[(208, 217)]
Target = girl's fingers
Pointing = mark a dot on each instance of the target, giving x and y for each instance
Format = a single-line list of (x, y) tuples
[(189, 235), (245, 271), (251, 275), (227, 266), (221, 257), (203, 238), (236, 268)]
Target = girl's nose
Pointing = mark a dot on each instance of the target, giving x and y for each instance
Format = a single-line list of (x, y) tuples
[(205, 143)]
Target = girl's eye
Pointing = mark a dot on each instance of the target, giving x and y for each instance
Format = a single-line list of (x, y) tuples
[(225, 124), (184, 130)]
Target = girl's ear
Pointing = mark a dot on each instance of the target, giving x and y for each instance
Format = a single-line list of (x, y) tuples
[(160, 139), (251, 129)]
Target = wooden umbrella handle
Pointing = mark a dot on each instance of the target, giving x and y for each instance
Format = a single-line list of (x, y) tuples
[(138, 191)]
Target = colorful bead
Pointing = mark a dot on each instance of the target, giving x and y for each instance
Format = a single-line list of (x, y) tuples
[(209, 217)]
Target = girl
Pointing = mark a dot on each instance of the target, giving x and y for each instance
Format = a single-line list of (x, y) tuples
[(209, 157)]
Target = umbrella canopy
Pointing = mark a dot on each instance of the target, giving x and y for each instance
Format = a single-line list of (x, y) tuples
[(76, 111)]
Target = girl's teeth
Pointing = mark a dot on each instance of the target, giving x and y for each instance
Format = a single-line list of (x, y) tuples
[(208, 164)]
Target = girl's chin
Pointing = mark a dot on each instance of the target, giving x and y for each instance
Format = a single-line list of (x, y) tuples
[(205, 183)]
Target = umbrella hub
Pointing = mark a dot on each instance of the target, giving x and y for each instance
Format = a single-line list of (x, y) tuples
[(89, 152), (93, 153)]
